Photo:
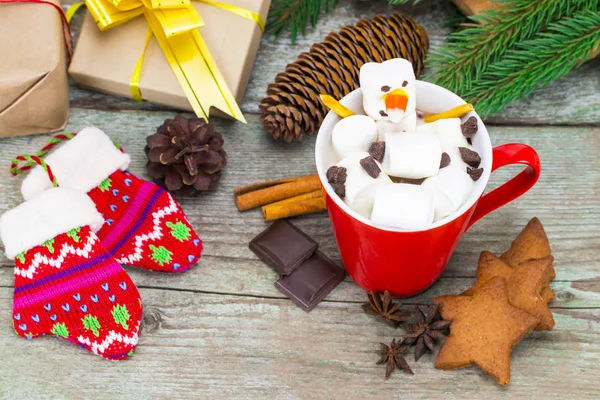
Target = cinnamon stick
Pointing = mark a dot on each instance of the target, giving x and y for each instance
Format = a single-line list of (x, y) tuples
[(298, 205), (262, 185), (247, 198)]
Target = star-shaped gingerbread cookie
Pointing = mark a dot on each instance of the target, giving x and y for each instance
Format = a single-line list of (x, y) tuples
[(524, 283), (484, 329), (531, 243)]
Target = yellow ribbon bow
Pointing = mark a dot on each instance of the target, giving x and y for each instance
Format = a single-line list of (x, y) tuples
[(175, 25)]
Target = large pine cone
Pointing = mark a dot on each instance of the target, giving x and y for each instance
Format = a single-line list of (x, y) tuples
[(186, 155), (292, 107)]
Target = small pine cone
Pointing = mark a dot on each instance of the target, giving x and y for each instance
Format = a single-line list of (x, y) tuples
[(186, 155), (292, 107)]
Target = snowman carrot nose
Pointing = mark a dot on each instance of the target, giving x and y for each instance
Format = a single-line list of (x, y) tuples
[(396, 100)]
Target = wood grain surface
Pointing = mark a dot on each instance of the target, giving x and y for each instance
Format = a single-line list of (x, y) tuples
[(222, 330)]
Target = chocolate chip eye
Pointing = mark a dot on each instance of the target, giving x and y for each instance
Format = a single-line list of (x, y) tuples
[(404, 83), (383, 113), (385, 88)]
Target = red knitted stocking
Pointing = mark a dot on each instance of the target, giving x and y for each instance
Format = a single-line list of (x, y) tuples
[(66, 284), (145, 227)]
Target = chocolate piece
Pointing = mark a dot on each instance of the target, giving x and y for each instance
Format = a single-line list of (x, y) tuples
[(377, 150), (283, 246), (311, 282), (407, 180), (383, 113), (445, 160), (404, 83), (385, 88), (336, 174), (475, 173), (470, 157), (339, 189), (370, 166), (469, 127)]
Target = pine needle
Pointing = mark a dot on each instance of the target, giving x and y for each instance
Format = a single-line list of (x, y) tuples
[(467, 52), (296, 15), (535, 62)]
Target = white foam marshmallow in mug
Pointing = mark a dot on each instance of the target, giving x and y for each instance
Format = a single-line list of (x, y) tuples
[(412, 155), (403, 206), (450, 135), (353, 134), (379, 80), (408, 124), (452, 186), (360, 186)]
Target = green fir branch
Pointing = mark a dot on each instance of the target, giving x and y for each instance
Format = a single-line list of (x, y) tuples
[(467, 52), (296, 15), (535, 62)]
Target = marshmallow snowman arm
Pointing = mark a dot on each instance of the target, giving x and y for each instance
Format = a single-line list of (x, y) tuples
[(360, 186), (404, 206), (411, 155), (452, 187), (353, 134)]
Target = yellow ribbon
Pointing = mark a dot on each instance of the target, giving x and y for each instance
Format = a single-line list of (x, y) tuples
[(175, 25)]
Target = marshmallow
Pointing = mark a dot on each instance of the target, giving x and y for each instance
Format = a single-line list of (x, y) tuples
[(379, 80), (411, 155), (404, 206), (353, 134), (408, 124), (360, 187), (450, 135), (452, 187)]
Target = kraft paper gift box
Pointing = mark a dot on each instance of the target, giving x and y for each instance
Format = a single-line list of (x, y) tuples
[(34, 89), (105, 60), (472, 7)]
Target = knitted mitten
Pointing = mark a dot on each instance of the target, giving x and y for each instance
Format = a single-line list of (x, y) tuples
[(145, 226), (66, 284)]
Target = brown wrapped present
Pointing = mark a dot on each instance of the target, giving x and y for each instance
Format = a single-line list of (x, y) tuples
[(105, 60), (33, 69), (472, 7)]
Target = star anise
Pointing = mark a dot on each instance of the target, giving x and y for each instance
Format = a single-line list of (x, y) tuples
[(392, 357), (383, 308), (425, 328)]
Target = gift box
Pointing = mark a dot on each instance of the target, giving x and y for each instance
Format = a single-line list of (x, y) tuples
[(106, 60), (472, 7), (33, 69)]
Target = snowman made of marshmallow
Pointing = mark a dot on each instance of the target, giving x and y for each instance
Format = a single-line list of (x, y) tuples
[(389, 95)]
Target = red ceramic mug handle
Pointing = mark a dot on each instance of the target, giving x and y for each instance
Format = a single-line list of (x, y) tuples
[(507, 154)]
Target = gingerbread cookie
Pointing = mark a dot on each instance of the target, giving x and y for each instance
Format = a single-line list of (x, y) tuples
[(531, 243), (524, 283), (484, 329)]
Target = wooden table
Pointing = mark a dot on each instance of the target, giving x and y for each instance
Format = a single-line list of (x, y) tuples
[(222, 330)]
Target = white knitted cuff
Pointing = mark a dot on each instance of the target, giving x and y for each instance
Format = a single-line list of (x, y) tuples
[(46, 216), (82, 164)]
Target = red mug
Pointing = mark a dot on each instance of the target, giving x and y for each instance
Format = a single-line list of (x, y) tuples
[(407, 263)]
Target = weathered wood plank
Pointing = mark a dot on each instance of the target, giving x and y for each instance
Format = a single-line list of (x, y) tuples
[(566, 200), (207, 346), (571, 100)]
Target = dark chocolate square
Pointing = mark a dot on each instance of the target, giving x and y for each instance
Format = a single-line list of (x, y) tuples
[(312, 281), (283, 246)]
